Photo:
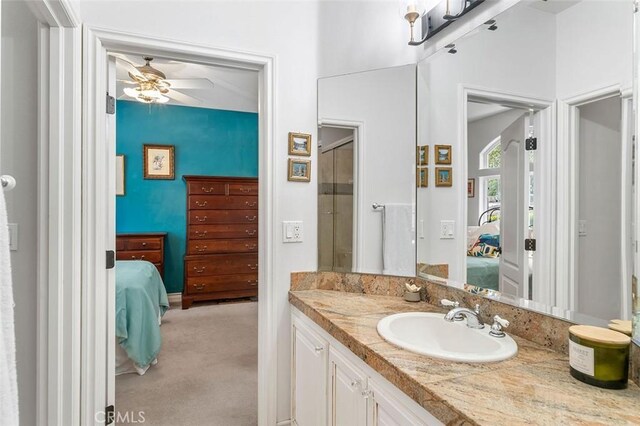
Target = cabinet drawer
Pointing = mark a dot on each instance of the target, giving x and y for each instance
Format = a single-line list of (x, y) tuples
[(120, 244), (197, 285), (205, 232), (221, 265), (243, 189), (238, 202), (149, 256), (202, 217), (246, 245), (213, 188), (144, 244)]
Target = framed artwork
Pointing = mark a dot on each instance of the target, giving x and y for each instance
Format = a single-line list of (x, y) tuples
[(443, 154), (299, 144), (119, 174), (422, 177), (422, 155), (299, 170), (471, 188), (444, 176), (159, 161)]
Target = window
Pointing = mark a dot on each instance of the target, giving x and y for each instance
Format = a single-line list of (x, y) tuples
[(490, 158), (491, 155)]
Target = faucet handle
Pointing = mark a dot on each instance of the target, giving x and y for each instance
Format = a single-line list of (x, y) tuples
[(498, 324), (447, 302)]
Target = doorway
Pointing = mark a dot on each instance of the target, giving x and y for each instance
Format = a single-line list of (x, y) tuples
[(98, 220)]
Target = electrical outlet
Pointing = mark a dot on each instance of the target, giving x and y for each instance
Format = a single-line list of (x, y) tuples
[(447, 229), (292, 232)]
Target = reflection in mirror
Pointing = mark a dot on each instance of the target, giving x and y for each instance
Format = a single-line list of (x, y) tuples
[(366, 172), (539, 116)]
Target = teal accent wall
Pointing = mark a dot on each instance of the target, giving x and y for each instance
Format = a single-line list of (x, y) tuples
[(207, 142)]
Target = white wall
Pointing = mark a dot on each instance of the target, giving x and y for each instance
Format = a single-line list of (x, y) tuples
[(384, 101), (18, 157), (479, 134), (294, 31), (518, 58), (599, 180)]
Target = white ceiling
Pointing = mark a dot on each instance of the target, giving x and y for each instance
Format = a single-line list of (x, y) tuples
[(232, 89), (477, 111), (553, 6)]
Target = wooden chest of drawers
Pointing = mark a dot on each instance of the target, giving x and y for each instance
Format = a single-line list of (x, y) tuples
[(147, 246), (221, 260)]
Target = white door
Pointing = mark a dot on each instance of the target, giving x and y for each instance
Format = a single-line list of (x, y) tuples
[(347, 402), (388, 411), (111, 237), (514, 268), (309, 405)]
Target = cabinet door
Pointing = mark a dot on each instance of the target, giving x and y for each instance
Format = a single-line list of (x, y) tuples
[(309, 405), (348, 403), (387, 410)]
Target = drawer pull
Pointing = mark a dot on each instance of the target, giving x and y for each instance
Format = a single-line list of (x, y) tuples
[(199, 286), (135, 258), (207, 190), (252, 282), (201, 234), (204, 248), (252, 218), (319, 348), (250, 231), (255, 203), (199, 271), (253, 267), (201, 204), (251, 246), (245, 190), (203, 219), (144, 244)]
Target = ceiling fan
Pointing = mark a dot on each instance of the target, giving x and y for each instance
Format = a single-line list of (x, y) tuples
[(150, 85)]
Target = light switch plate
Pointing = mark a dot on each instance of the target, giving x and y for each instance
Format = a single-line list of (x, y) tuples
[(292, 231), (13, 236), (447, 229), (582, 228)]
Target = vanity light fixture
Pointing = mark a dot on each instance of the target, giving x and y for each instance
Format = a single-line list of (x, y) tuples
[(443, 12)]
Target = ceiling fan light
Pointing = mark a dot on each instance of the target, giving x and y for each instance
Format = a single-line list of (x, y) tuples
[(151, 93), (132, 92), (161, 100)]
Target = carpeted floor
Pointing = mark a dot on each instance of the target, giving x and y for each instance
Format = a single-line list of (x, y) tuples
[(207, 371)]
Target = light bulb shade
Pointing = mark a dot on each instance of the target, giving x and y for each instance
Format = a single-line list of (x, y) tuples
[(161, 99), (130, 91), (456, 7)]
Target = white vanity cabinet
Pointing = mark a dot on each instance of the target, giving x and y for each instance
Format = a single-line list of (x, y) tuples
[(332, 386), (309, 385)]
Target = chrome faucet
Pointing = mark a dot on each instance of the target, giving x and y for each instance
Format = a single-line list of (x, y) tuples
[(473, 317)]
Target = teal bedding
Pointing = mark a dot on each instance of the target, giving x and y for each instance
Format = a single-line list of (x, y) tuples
[(483, 272), (141, 300)]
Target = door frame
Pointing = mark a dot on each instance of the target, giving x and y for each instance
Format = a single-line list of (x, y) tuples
[(359, 188), (567, 189), (546, 157), (98, 194)]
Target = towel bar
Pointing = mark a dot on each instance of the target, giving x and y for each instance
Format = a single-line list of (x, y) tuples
[(8, 182)]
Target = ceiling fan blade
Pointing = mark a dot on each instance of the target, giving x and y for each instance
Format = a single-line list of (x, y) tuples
[(182, 98), (126, 81), (130, 66), (191, 83)]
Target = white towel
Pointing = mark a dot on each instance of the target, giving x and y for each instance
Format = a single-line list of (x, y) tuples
[(398, 240), (8, 383)]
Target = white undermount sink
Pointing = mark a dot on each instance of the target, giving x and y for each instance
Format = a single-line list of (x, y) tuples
[(429, 334)]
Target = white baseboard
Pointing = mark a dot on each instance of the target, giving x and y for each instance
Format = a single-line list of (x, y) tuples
[(175, 298), (284, 423)]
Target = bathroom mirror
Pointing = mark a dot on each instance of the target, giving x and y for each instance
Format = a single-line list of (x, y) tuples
[(366, 172), (528, 124)]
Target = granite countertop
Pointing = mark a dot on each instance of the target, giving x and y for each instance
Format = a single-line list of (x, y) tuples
[(534, 387)]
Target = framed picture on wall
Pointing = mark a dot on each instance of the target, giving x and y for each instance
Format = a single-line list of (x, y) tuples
[(299, 144), (119, 174), (299, 170), (422, 155), (422, 177), (444, 176), (443, 154), (471, 188), (159, 161)]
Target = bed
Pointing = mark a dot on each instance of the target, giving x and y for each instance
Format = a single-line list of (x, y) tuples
[(141, 301), (483, 272)]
